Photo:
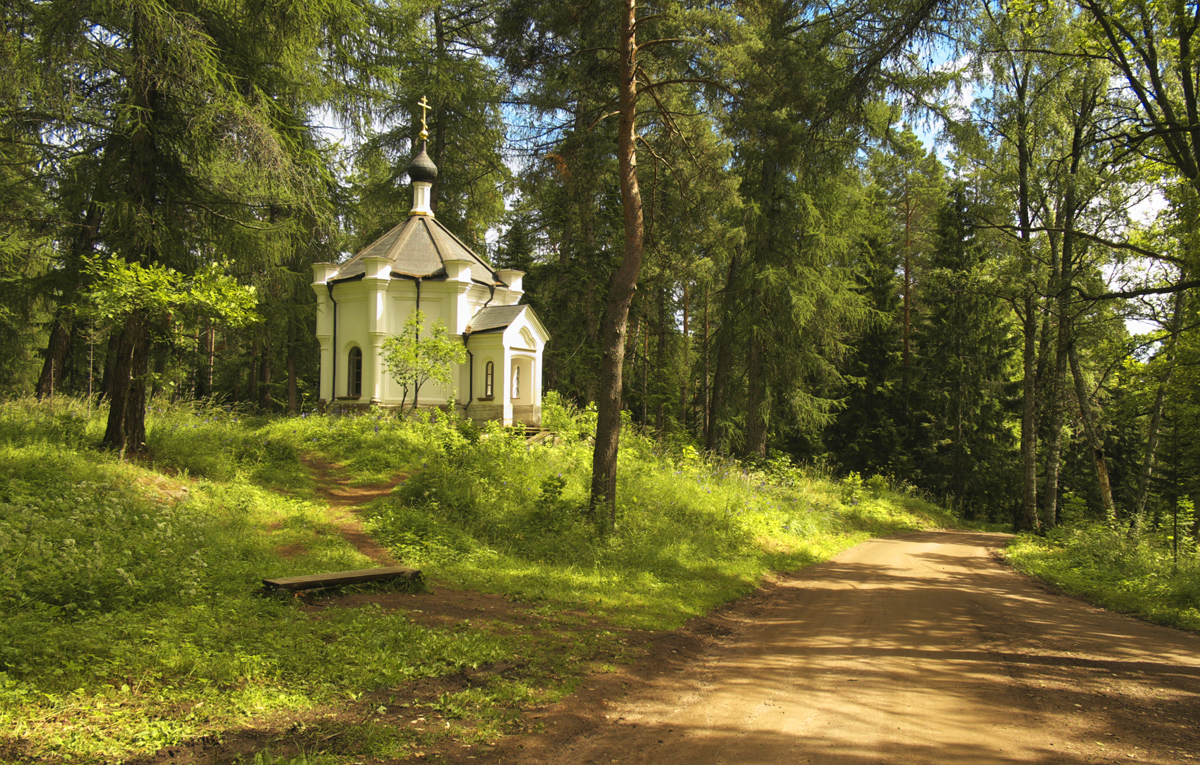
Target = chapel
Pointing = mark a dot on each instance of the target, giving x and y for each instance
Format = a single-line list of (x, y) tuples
[(420, 265)]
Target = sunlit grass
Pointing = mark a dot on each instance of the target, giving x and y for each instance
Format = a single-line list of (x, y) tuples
[(128, 614), (1137, 576)]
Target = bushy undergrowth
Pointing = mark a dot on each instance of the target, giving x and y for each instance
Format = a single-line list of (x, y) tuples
[(692, 531), (1110, 568), (128, 619)]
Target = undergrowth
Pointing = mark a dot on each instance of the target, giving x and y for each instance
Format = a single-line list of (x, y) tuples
[(1109, 567), (128, 614)]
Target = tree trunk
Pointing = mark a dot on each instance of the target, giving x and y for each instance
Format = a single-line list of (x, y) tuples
[(686, 387), (252, 375), (624, 282), (56, 352), (293, 394), (126, 429), (110, 361), (641, 334), (723, 368), (204, 369), (128, 364), (1029, 419), (58, 346), (756, 399), (264, 378), (907, 328), (660, 415), (1055, 420), (135, 410), (1095, 438), (1063, 279), (1029, 387), (707, 414)]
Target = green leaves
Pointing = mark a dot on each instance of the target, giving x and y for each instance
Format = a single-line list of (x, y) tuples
[(413, 360), (161, 294)]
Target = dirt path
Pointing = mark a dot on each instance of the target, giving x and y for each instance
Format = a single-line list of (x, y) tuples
[(918, 649), (336, 487)]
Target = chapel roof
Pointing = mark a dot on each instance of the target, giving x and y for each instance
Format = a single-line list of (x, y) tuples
[(419, 247), (491, 318)]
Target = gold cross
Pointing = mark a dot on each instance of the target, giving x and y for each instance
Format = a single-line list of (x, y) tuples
[(424, 128)]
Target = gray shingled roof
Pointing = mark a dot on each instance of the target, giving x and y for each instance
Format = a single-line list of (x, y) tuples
[(495, 317), (419, 246)]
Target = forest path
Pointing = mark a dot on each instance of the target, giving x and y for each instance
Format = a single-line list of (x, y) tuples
[(335, 485), (914, 649)]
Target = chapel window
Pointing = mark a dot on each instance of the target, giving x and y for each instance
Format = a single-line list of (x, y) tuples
[(489, 380), (354, 373)]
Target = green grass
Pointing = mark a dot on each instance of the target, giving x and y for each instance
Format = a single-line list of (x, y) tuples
[(1107, 567), (128, 619)]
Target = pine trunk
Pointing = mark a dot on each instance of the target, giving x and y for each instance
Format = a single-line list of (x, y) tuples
[(264, 378), (723, 366), (686, 388), (293, 393), (756, 400), (706, 414), (57, 348), (126, 428), (624, 282)]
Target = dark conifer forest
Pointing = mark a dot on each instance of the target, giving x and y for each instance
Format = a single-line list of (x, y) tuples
[(951, 244)]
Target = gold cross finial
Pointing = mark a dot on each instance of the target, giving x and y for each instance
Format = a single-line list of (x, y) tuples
[(424, 104)]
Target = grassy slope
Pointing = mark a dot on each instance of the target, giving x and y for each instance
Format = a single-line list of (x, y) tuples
[(1107, 567), (128, 619)]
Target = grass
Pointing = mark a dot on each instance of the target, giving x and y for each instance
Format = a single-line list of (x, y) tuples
[(1138, 576), (128, 619)]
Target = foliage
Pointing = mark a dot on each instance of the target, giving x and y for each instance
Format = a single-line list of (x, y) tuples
[(693, 531), (413, 360), (162, 294), (1112, 569), (127, 615)]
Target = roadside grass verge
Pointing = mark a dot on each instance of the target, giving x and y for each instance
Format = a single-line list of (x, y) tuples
[(1108, 568), (128, 619)]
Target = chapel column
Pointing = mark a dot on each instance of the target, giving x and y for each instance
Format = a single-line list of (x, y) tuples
[(322, 272), (378, 275)]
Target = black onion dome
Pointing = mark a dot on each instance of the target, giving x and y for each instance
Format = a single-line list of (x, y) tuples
[(422, 167)]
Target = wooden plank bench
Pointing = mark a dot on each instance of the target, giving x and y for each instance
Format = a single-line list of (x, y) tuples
[(340, 578)]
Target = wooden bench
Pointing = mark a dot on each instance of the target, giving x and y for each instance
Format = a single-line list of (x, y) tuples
[(340, 578)]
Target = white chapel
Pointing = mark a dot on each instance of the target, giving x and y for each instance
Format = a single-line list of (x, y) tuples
[(420, 265)]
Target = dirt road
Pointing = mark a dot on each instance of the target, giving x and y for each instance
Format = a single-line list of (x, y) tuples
[(916, 649)]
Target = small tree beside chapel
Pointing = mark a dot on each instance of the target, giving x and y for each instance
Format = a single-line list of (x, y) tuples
[(413, 360)]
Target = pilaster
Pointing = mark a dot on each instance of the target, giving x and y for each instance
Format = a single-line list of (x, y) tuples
[(376, 279)]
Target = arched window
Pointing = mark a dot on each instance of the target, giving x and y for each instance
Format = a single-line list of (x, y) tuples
[(354, 373), (489, 380)]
